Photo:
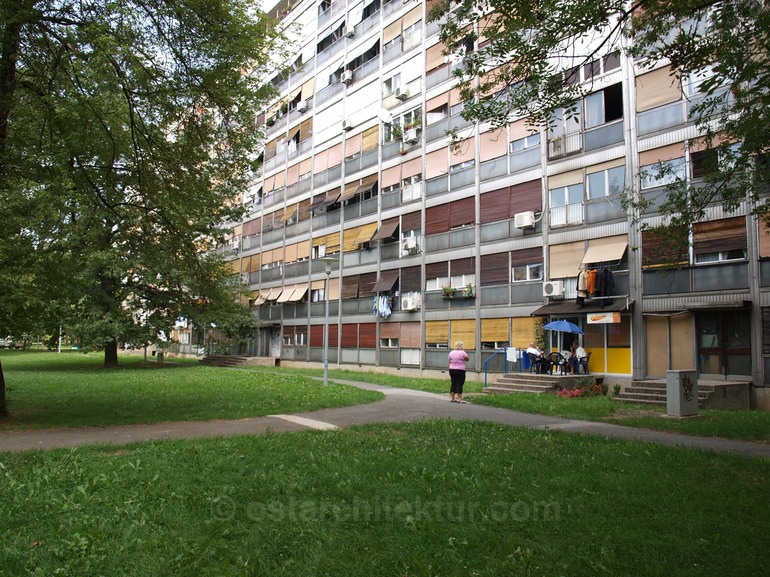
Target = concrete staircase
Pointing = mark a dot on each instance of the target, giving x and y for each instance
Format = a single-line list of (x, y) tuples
[(730, 395), (240, 361), (532, 383)]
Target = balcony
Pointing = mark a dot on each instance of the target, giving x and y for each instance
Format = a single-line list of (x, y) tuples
[(566, 215), (563, 145)]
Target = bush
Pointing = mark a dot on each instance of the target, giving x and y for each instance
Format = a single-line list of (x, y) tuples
[(586, 387)]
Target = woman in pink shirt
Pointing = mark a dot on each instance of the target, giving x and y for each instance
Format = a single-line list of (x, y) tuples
[(457, 359)]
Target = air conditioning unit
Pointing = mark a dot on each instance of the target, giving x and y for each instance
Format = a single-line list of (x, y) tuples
[(411, 136), (402, 94), (347, 76), (302, 106), (346, 125), (524, 219), (409, 304), (350, 31), (554, 288)]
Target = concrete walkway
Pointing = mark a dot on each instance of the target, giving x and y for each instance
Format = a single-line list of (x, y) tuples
[(399, 405)]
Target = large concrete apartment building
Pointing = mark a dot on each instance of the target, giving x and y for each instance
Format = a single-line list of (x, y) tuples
[(478, 242)]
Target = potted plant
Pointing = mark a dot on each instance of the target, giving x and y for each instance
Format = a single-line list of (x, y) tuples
[(468, 290), (447, 291)]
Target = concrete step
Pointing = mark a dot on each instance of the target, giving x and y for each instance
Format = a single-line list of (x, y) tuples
[(224, 361), (506, 388)]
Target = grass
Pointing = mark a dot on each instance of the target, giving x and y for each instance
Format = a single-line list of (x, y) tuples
[(73, 390), (69, 390), (440, 498), (745, 425)]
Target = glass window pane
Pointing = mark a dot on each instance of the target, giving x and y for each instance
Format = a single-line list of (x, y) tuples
[(596, 188), (558, 197), (575, 193), (594, 105), (617, 179)]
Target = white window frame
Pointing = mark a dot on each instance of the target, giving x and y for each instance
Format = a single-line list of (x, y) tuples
[(606, 189), (388, 343), (524, 143), (391, 84), (651, 177), (533, 271), (436, 284), (461, 281), (718, 257)]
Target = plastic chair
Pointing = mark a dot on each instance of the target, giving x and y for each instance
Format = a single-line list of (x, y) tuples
[(583, 362), (557, 361), (534, 363)]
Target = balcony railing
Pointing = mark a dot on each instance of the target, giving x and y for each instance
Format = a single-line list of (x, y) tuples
[(566, 215), (565, 144)]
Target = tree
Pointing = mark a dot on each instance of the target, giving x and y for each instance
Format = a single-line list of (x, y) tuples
[(531, 53), (127, 130)]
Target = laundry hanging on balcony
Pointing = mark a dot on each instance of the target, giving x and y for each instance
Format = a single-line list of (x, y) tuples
[(382, 306)]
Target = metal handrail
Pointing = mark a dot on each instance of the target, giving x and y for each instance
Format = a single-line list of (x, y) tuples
[(505, 365)]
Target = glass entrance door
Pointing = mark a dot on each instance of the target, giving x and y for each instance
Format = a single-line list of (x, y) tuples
[(724, 343)]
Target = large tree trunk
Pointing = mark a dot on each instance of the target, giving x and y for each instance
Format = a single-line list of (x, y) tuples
[(3, 405), (10, 38), (111, 354)]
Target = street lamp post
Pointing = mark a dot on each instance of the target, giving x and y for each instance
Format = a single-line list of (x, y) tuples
[(328, 262)]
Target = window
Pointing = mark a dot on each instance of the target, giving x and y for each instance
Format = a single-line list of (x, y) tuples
[(462, 165), (324, 6), (436, 345), (435, 284), (412, 118), (604, 106), (526, 272), (462, 280), (566, 205), (389, 85), (492, 345), (317, 295), (391, 188), (524, 143), (411, 188), (721, 256), (437, 114), (319, 251), (703, 162), (695, 80), (663, 173), (593, 68), (566, 195), (606, 182), (388, 343)]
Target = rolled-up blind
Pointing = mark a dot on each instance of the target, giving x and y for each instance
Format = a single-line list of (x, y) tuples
[(494, 330), (463, 330), (436, 332)]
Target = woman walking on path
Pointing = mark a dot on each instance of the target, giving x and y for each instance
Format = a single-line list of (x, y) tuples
[(457, 359)]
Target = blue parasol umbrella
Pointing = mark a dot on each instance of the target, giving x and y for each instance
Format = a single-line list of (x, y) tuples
[(563, 327)]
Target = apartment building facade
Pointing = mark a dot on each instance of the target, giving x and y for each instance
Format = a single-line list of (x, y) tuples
[(480, 241)]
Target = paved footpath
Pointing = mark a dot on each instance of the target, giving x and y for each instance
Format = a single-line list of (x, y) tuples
[(399, 405)]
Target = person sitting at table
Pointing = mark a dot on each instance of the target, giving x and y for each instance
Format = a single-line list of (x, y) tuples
[(578, 353), (543, 365)]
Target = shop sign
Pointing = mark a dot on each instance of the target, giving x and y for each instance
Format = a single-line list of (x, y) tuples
[(603, 318)]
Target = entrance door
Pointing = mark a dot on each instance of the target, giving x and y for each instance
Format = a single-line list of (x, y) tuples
[(724, 343)]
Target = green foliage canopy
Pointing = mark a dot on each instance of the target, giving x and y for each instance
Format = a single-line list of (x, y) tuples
[(529, 52), (127, 130)]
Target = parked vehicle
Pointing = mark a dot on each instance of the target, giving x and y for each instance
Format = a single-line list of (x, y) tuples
[(9, 343)]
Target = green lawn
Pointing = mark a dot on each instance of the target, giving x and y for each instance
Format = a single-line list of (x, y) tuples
[(73, 390), (440, 498), (746, 425)]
